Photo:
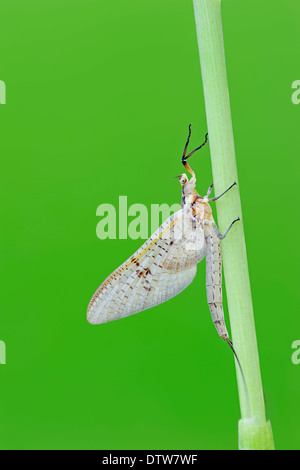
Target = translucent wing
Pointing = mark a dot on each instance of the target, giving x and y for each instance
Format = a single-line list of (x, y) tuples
[(164, 266)]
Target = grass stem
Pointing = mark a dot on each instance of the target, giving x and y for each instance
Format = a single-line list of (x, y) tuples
[(254, 431)]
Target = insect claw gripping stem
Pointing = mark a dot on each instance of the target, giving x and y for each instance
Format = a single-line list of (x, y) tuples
[(220, 236)]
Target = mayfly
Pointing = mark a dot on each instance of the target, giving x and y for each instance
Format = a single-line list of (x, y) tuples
[(167, 262)]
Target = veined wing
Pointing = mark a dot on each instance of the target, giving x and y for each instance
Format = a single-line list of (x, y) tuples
[(164, 266)]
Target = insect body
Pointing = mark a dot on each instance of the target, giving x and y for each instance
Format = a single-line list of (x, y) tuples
[(167, 262)]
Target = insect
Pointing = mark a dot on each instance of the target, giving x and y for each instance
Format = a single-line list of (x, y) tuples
[(167, 262)]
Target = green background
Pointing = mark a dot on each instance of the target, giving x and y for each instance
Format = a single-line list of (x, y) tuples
[(99, 97)]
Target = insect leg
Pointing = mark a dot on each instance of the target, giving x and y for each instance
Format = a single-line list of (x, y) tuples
[(185, 157), (209, 190), (198, 148), (218, 197), (220, 236), (187, 142)]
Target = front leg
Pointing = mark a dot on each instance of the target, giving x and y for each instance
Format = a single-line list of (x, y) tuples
[(218, 197), (209, 190)]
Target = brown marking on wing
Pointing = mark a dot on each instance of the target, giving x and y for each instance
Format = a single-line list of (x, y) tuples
[(126, 265)]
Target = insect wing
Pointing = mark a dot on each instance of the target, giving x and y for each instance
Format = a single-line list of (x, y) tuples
[(164, 266)]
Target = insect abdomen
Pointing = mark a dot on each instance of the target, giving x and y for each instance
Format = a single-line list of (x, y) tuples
[(214, 281)]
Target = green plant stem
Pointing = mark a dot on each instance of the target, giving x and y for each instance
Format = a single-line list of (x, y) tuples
[(254, 431)]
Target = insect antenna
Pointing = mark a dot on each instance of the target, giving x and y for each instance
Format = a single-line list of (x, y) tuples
[(185, 157)]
